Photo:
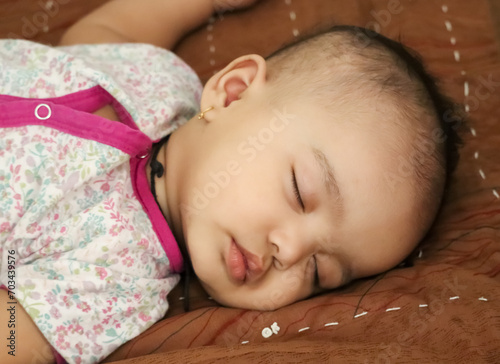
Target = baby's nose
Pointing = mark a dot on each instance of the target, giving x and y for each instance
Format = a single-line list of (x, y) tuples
[(288, 249)]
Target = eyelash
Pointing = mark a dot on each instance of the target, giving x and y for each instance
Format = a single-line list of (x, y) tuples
[(316, 274), (301, 203), (296, 190)]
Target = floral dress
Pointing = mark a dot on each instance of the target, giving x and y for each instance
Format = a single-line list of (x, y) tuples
[(84, 248)]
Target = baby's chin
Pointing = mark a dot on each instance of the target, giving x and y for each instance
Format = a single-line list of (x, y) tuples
[(219, 297), (242, 301)]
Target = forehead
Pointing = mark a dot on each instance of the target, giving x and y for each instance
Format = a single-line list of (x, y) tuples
[(364, 155)]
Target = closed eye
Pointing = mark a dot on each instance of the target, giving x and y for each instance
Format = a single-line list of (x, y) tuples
[(316, 274), (296, 190)]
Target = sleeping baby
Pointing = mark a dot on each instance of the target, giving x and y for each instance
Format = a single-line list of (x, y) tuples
[(281, 178)]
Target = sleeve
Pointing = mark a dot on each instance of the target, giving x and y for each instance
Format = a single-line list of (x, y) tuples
[(158, 89)]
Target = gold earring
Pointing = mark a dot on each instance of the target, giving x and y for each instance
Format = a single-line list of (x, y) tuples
[(201, 115)]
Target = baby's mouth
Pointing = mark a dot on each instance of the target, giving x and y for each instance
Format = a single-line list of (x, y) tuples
[(243, 266), (236, 263)]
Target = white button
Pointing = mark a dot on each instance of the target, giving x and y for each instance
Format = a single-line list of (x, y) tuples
[(143, 154), (275, 328), (49, 112), (266, 332)]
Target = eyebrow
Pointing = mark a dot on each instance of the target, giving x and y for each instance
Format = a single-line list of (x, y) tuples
[(329, 180)]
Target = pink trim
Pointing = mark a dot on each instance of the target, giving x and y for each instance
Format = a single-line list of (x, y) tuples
[(160, 226), (83, 124), (88, 100), (58, 357), (77, 108), (72, 114)]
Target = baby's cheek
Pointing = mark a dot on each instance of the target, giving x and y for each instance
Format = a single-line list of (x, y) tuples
[(287, 288), (280, 297), (277, 290)]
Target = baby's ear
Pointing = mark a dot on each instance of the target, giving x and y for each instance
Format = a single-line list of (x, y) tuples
[(228, 85)]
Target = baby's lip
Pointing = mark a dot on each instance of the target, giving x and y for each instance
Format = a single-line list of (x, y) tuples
[(254, 263), (243, 266)]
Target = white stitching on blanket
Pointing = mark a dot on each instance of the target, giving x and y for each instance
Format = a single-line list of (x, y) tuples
[(361, 314), (293, 17), (456, 54), (481, 173), (331, 324), (210, 38), (267, 332)]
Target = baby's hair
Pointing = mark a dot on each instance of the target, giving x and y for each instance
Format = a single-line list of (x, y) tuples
[(313, 65), (346, 60)]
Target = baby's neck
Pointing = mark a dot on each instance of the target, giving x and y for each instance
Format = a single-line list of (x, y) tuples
[(107, 112)]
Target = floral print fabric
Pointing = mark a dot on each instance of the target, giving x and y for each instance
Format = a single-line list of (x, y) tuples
[(89, 268)]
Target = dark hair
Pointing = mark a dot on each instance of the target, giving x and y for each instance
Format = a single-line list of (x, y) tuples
[(450, 118), (351, 58), (370, 47)]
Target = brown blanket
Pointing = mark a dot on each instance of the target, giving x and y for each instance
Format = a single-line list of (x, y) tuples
[(446, 308)]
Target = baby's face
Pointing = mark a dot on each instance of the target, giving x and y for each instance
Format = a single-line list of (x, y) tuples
[(284, 202)]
